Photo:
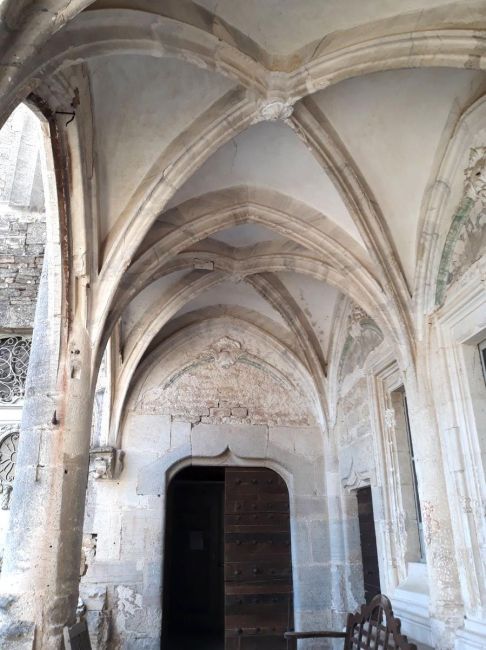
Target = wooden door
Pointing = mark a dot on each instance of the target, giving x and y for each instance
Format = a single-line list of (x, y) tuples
[(257, 560), (369, 552), (194, 603)]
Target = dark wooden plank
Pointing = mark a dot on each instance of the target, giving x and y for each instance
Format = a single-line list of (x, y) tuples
[(258, 569), (258, 504), (273, 570), (268, 520), (252, 588)]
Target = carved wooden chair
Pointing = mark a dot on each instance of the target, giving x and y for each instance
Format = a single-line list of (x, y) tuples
[(373, 627)]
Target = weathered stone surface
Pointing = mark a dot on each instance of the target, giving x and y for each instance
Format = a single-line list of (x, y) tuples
[(265, 231)]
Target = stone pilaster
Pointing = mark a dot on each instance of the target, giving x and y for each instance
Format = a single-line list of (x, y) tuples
[(446, 607)]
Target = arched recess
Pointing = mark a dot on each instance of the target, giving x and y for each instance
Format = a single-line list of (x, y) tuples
[(143, 334), (307, 228), (267, 344), (159, 314), (196, 219), (158, 443), (317, 232), (450, 201)]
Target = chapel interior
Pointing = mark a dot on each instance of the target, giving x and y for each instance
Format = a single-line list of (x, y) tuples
[(242, 322)]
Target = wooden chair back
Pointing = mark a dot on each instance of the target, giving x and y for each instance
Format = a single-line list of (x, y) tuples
[(374, 627)]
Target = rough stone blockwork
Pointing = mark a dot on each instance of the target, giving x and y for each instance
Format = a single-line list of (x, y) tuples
[(22, 219), (22, 237)]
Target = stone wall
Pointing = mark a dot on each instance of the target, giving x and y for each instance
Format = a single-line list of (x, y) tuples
[(227, 384), (22, 219), (215, 402), (354, 441), (353, 420), (22, 240)]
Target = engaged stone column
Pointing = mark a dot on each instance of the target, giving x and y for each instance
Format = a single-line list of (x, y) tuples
[(40, 574), (446, 606), (343, 600)]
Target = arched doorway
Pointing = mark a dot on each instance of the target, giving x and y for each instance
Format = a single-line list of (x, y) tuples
[(228, 560)]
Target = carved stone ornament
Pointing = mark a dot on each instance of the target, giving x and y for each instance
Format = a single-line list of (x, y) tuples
[(475, 173), (355, 479), (9, 436), (226, 352), (14, 360), (105, 463), (355, 317), (390, 420), (275, 109)]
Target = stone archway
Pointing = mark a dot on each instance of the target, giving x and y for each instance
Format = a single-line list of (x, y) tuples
[(227, 565)]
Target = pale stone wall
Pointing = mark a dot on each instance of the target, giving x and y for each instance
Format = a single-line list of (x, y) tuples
[(187, 409), (376, 207), (354, 441)]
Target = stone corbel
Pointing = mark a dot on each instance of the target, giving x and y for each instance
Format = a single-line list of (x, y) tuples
[(105, 463), (355, 479)]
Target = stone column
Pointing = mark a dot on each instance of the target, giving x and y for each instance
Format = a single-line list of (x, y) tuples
[(342, 600), (40, 574), (446, 607)]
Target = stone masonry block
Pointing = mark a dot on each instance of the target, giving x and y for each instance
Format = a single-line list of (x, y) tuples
[(239, 412)]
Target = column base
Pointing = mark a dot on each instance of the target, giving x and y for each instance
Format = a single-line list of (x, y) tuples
[(472, 636), (15, 634), (411, 604)]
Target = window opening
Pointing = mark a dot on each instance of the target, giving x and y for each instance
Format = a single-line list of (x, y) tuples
[(418, 510), (482, 354)]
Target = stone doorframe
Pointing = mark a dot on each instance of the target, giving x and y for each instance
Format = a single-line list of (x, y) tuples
[(458, 326), (235, 445), (392, 529), (383, 378), (134, 566)]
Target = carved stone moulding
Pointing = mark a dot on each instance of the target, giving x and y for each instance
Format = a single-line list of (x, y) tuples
[(105, 463), (9, 436), (475, 175)]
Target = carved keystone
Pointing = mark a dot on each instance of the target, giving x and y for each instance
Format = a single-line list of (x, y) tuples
[(275, 109)]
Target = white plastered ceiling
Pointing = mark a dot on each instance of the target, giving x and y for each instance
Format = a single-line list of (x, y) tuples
[(271, 156), (283, 26), (392, 124), (141, 104), (395, 125), (296, 196), (234, 293)]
